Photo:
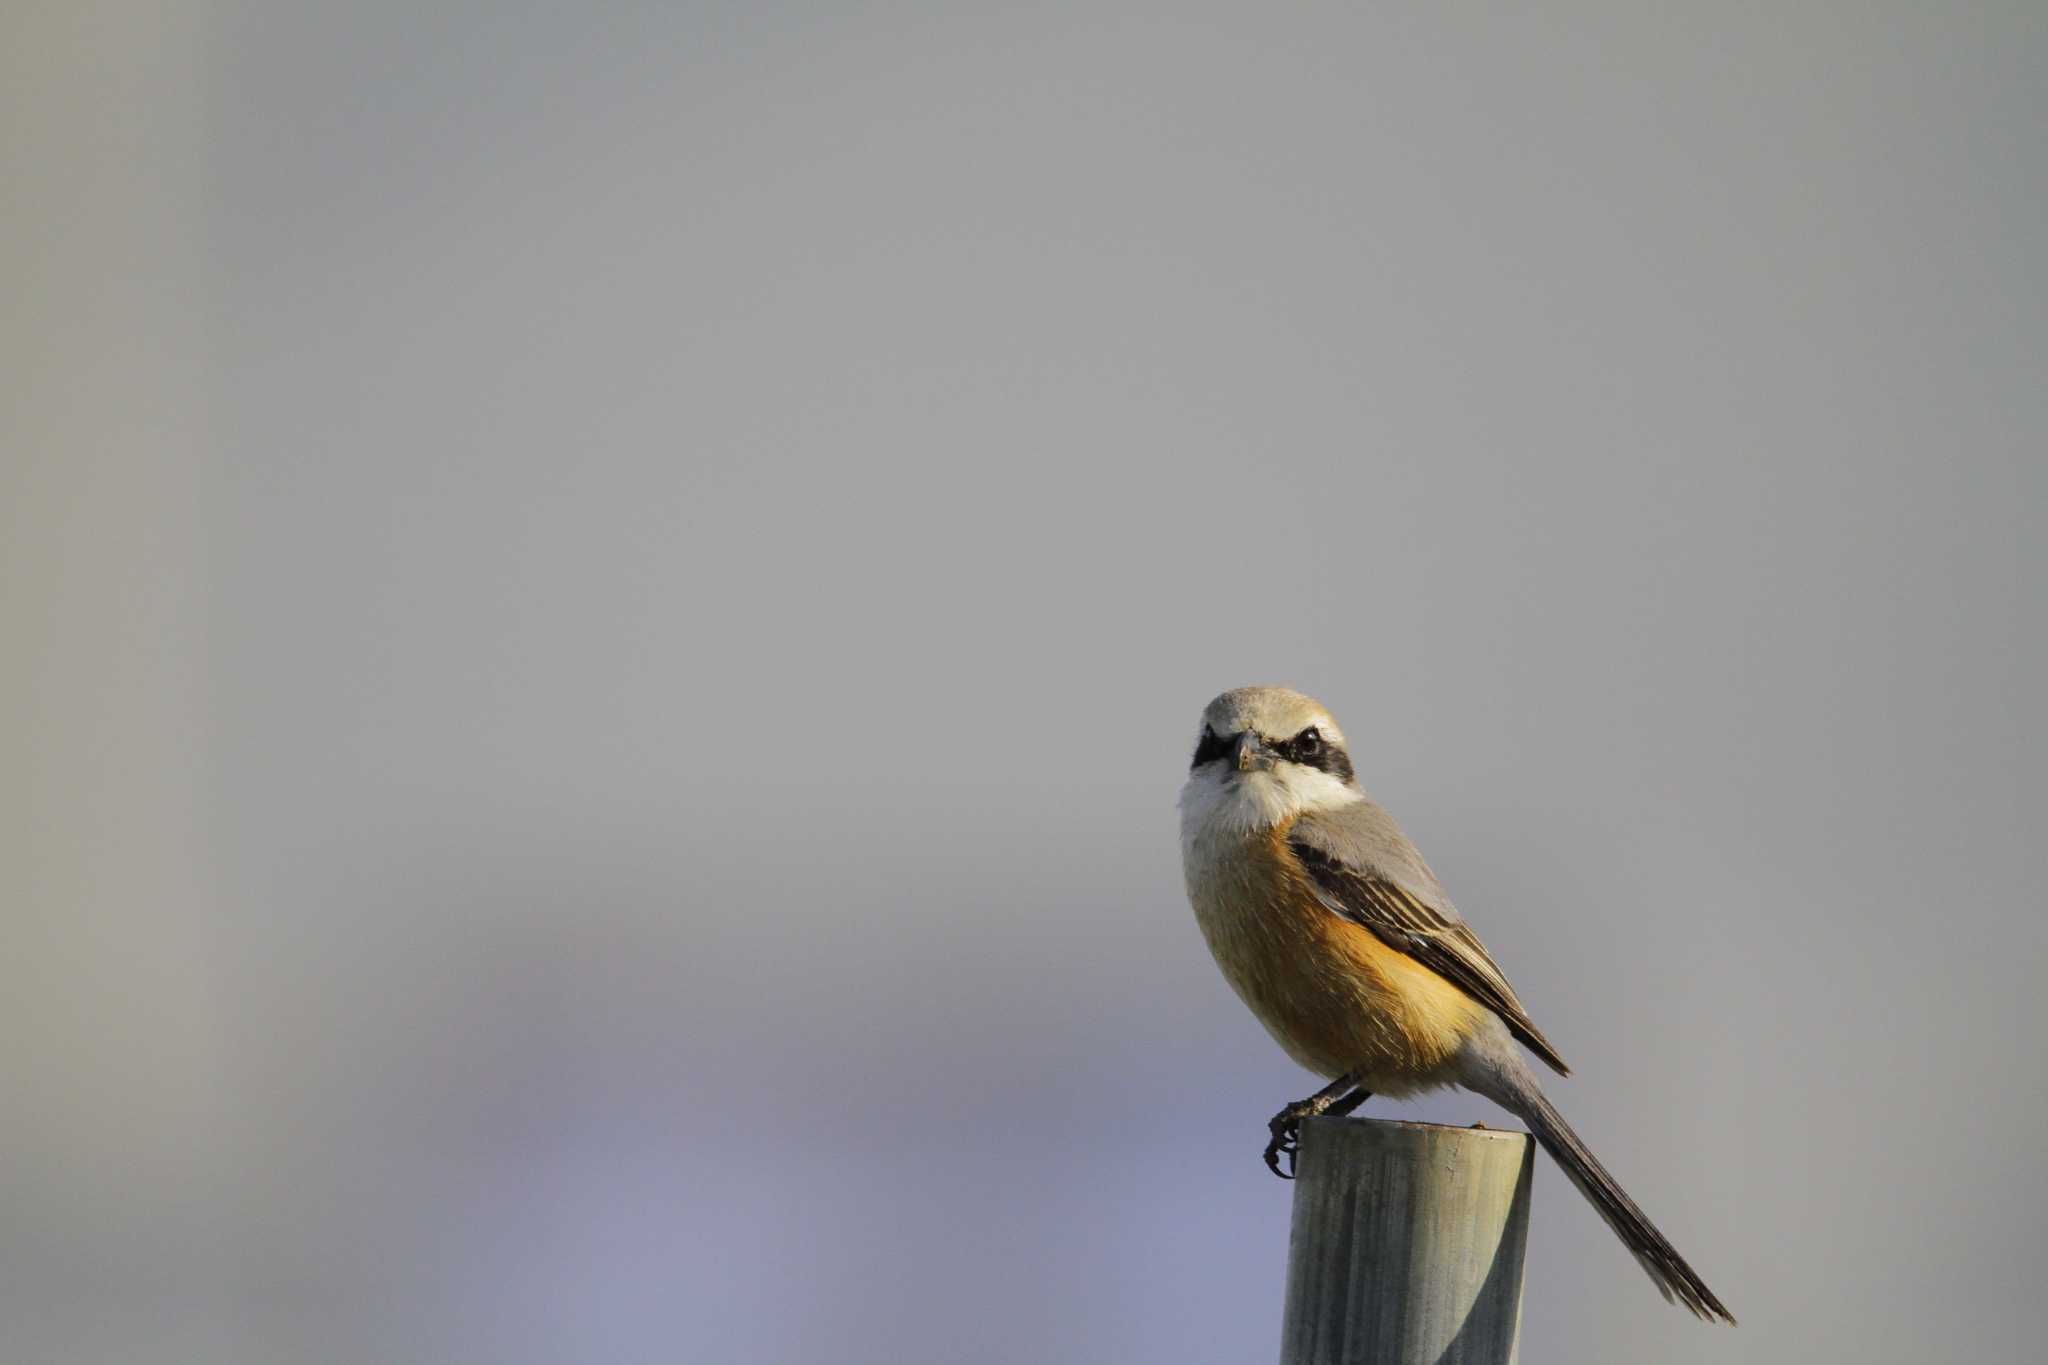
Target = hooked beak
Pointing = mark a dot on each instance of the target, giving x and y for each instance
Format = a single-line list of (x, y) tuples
[(1252, 754)]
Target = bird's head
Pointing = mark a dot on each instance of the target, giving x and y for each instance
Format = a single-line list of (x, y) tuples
[(1264, 755)]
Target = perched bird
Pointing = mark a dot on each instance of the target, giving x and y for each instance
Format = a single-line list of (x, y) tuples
[(1328, 924)]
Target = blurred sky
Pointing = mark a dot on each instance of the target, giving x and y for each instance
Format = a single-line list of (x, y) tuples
[(605, 606)]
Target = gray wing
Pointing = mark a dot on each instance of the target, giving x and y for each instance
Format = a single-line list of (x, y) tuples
[(1363, 868)]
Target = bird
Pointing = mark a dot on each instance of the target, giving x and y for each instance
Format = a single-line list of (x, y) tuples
[(1328, 924)]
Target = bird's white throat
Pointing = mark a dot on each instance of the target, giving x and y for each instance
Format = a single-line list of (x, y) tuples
[(1220, 803)]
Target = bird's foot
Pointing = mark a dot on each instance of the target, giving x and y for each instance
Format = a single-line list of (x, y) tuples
[(1285, 1128), (1340, 1096)]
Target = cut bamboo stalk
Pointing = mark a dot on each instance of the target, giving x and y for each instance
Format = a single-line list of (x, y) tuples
[(1407, 1244)]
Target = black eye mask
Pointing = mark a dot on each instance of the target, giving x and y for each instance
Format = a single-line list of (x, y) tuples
[(1308, 748), (1212, 747), (1311, 750)]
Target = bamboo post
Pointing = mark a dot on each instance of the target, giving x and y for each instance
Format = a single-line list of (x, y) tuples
[(1407, 1244)]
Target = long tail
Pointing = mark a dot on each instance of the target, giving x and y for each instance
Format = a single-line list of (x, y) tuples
[(1496, 1070), (1673, 1277)]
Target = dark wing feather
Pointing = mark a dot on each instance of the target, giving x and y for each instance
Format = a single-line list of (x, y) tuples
[(1421, 923)]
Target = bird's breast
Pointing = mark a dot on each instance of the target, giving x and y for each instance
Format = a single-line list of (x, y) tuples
[(1335, 997)]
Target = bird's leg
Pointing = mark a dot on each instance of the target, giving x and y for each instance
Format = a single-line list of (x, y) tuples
[(1340, 1096), (1339, 1108)]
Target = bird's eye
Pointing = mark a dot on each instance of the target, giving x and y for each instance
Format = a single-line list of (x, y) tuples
[(1308, 743)]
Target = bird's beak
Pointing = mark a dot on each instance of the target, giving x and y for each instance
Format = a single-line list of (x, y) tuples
[(1252, 754)]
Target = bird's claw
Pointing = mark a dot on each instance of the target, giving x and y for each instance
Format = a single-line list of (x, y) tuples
[(1286, 1141), (1341, 1096)]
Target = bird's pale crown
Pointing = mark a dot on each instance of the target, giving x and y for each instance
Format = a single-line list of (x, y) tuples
[(1271, 712)]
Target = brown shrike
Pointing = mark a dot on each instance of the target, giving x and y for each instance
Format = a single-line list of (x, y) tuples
[(1328, 924)]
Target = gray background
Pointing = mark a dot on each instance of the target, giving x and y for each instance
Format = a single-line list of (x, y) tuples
[(606, 605)]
